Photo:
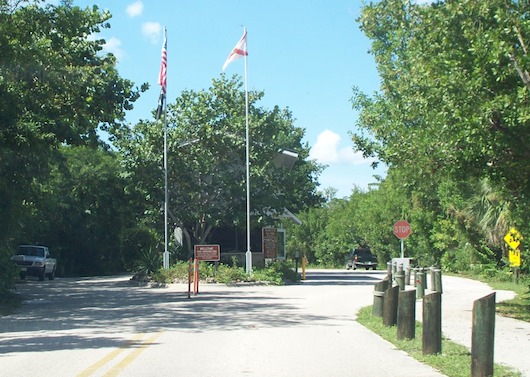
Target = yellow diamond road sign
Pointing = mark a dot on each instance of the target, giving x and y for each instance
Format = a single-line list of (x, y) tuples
[(513, 238)]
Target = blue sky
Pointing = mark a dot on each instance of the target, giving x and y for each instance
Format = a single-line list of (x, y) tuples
[(304, 54)]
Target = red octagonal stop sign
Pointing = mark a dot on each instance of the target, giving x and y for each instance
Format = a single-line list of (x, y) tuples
[(402, 229)]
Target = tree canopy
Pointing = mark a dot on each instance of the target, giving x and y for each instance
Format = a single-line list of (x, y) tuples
[(451, 120), (57, 87), (454, 101), (206, 163), (455, 91)]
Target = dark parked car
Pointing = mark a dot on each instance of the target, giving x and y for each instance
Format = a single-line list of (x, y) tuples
[(362, 257)]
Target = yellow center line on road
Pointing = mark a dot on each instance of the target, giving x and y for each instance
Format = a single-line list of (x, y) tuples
[(132, 356), (112, 355)]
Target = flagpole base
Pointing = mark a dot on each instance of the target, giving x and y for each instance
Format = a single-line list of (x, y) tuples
[(248, 262), (166, 260)]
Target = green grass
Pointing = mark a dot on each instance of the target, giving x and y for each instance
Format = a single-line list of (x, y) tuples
[(454, 361), (518, 307)]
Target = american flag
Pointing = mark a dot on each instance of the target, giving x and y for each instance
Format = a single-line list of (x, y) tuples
[(162, 76)]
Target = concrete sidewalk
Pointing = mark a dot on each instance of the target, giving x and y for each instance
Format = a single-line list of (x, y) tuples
[(512, 337)]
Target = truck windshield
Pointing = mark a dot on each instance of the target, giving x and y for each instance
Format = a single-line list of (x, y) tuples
[(32, 251)]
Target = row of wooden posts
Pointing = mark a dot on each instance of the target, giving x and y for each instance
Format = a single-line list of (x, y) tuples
[(396, 304)]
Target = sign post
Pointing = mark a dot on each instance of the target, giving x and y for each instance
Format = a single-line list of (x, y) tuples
[(204, 253), (402, 230)]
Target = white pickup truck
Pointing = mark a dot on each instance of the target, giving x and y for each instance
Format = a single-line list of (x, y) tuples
[(35, 261)]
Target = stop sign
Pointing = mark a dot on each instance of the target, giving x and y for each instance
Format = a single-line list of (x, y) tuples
[(402, 229)]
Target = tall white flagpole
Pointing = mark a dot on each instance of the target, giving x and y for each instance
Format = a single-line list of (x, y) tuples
[(166, 193), (248, 254), (163, 82), (239, 50)]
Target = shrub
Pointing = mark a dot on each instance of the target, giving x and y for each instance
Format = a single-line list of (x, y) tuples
[(230, 274), (148, 262), (276, 273), (8, 272)]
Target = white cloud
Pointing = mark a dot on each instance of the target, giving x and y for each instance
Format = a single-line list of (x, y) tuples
[(135, 9), (151, 30), (113, 45), (326, 151)]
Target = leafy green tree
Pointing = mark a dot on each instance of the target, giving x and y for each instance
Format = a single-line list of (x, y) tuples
[(206, 161), (82, 213), (307, 237), (378, 210), (454, 93), (56, 87), (452, 109)]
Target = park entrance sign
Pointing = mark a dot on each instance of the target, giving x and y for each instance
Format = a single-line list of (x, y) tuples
[(402, 230), (207, 252)]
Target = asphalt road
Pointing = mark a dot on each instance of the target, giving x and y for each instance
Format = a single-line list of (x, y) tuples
[(107, 327)]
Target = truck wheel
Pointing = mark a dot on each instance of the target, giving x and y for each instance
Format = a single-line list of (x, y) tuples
[(51, 275), (42, 274)]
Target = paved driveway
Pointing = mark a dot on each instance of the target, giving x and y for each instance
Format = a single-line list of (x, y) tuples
[(106, 327)]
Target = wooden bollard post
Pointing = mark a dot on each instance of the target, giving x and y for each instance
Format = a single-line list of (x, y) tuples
[(433, 283), (483, 336), (437, 280), (390, 306), (389, 270), (406, 315), (424, 278), (407, 275), (420, 288), (432, 324), (379, 298), (400, 277)]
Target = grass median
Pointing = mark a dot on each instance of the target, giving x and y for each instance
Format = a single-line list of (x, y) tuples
[(518, 307), (454, 361)]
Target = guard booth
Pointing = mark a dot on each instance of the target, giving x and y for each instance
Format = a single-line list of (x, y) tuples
[(405, 262)]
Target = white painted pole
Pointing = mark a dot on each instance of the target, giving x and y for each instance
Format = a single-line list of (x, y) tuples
[(248, 254), (166, 193)]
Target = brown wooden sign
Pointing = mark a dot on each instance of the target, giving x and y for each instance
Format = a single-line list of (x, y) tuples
[(207, 252), (269, 244)]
